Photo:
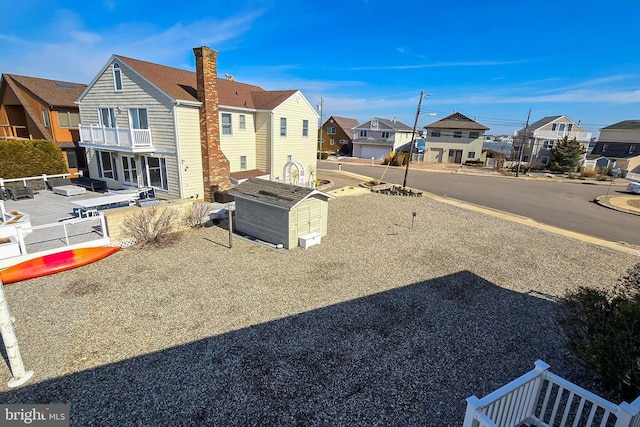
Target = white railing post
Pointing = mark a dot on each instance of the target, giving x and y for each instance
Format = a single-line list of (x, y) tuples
[(469, 417), (103, 225), (23, 246), (66, 234), (20, 376)]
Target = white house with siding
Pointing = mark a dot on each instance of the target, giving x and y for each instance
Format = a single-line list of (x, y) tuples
[(141, 126), (378, 137)]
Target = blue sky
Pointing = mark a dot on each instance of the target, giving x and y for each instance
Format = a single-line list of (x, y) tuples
[(490, 60)]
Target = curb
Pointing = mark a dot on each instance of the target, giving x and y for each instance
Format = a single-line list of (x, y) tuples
[(605, 201)]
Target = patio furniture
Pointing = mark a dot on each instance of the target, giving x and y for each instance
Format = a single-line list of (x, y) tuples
[(95, 185), (64, 187), (20, 193)]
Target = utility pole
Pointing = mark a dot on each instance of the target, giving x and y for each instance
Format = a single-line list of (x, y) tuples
[(321, 124), (526, 129), (413, 136)]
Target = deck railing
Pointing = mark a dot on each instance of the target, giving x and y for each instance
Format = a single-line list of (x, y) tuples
[(541, 398), (117, 137)]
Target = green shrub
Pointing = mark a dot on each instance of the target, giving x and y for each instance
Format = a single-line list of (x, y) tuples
[(603, 329), (30, 157)]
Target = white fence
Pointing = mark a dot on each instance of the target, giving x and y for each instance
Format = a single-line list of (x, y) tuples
[(541, 398), (41, 178), (120, 137), (633, 176)]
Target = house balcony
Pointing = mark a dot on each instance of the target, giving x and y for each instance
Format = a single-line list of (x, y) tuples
[(555, 135), (8, 131), (123, 139)]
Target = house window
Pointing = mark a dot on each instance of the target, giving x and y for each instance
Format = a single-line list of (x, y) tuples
[(435, 133), (226, 124), (45, 117), (107, 117), (68, 118), (569, 127), (457, 134), (243, 162), (562, 126), (554, 126), (242, 122), (344, 141), (289, 157), (331, 142), (117, 78), (157, 172), (129, 170), (525, 158), (547, 145), (331, 130), (283, 126), (474, 135), (374, 124), (138, 118), (471, 155), (385, 135), (305, 128), (107, 165), (363, 134), (544, 160)]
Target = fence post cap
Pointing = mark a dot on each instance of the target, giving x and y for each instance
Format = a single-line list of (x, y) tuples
[(541, 366)]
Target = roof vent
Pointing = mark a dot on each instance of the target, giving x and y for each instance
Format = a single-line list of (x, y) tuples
[(65, 84)]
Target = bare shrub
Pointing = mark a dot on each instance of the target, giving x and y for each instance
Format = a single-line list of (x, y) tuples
[(198, 215), (589, 173), (152, 226)]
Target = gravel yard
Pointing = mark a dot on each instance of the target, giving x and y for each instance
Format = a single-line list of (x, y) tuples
[(382, 324)]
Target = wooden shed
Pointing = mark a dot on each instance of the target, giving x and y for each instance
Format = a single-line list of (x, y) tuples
[(280, 213)]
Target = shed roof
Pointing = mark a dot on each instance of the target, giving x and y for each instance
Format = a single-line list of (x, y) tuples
[(277, 194)]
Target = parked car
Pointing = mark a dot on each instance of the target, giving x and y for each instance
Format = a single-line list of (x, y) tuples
[(634, 187)]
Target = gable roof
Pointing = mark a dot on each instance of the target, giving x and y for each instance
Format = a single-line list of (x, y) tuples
[(277, 194), (346, 124), (456, 121), (53, 93), (393, 124), (625, 124), (181, 85)]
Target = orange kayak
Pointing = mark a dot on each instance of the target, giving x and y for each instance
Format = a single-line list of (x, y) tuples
[(54, 263)]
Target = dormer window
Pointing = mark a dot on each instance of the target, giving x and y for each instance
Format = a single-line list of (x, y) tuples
[(117, 78)]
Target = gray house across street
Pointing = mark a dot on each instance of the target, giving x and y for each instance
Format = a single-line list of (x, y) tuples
[(281, 213)]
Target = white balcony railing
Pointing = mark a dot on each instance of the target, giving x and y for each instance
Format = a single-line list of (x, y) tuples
[(555, 135), (127, 138), (541, 398)]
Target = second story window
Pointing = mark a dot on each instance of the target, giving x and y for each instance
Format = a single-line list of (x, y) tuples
[(363, 134), (474, 135), (243, 162), (457, 134), (305, 128), (226, 124), (242, 122), (547, 145), (569, 127), (138, 118), (45, 117), (107, 117), (283, 126), (68, 118), (385, 135), (331, 130), (435, 133), (117, 78)]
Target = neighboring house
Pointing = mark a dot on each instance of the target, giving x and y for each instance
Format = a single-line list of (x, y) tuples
[(336, 134), (190, 134), (454, 139), (279, 213), (541, 136), (620, 143), (35, 108), (378, 137)]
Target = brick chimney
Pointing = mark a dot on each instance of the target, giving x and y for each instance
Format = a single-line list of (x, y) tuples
[(215, 165)]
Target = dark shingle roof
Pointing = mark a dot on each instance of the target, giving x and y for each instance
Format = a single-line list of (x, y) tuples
[(54, 93), (456, 121), (393, 124), (276, 194), (543, 121), (182, 85), (625, 124)]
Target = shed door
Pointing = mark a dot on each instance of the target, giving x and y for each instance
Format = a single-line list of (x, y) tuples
[(309, 220)]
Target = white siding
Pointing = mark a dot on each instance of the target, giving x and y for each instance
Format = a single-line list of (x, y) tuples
[(263, 138), (240, 142), (190, 151), (302, 149)]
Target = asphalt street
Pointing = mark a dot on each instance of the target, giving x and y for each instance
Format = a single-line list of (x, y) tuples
[(568, 205)]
